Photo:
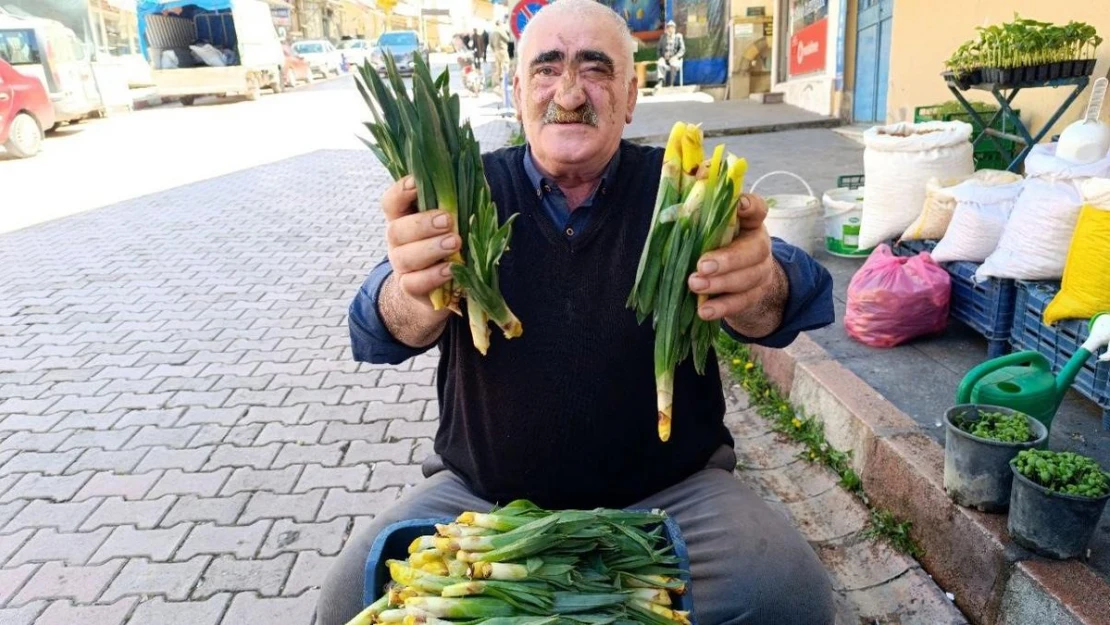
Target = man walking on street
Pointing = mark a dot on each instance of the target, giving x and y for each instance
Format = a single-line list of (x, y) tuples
[(478, 44), (499, 46), (672, 47), (566, 416)]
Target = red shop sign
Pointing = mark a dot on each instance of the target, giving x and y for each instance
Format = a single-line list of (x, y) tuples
[(807, 48)]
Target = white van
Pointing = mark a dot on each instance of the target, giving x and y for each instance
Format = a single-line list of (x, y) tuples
[(210, 47), (47, 50)]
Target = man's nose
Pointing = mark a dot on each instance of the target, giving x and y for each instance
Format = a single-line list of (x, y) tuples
[(570, 95)]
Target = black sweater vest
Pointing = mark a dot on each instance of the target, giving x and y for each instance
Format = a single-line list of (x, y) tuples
[(565, 415)]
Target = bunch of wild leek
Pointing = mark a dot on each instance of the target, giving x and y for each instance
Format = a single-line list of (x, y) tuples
[(421, 135), (523, 565), (695, 213)]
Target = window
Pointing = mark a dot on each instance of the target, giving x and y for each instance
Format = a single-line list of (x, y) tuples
[(19, 47), (309, 48), (398, 39)]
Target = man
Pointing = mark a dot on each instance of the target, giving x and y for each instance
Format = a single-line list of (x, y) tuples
[(565, 415), (672, 47), (499, 40), (478, 44)]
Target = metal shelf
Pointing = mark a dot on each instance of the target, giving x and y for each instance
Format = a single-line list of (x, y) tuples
[(1005, 95)]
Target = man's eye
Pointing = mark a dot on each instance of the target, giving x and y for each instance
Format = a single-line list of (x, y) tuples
[(546, 71)]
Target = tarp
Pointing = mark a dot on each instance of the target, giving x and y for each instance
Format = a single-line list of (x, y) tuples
[(641, 15), (704, 26), (188, 8)]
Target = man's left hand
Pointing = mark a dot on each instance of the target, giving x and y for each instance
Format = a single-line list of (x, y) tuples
[(747, 287)]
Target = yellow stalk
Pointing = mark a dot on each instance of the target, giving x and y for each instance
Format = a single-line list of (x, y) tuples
[(693, 151), (664, 395), (420, 558), (694, 200), (674, 143), (422, 543), (677, 616), (435, 568), (715, 165), (446, 296), (653, 595)]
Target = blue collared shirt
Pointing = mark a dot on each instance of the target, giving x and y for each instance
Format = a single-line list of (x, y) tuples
[(809, 303), (554, 202)]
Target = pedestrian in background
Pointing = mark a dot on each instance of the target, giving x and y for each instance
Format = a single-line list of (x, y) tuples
[(499, 48), (672, 48), (478, 45)]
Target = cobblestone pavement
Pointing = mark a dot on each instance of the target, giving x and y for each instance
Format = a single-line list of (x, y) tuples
[(184, 437)]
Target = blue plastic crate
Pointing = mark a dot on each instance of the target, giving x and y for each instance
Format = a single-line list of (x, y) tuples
[(987, 307), (913, 248), (393, 542), (1059, 342)]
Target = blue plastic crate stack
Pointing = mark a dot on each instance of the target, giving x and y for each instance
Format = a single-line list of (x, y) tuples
[(1058, 342), (987, 307)]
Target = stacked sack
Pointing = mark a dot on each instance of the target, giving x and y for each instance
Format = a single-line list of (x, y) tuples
[(1085, 291), (898, 161), (967, 193), (1034, 244), (981, 207)]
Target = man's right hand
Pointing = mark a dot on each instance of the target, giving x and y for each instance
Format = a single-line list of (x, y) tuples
[(419, 243)]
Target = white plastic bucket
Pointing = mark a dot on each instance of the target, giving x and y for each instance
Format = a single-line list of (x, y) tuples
[(794, 218), (843, 213)]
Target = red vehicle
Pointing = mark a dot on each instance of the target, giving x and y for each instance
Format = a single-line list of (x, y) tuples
[(26, 112), (296, 69)]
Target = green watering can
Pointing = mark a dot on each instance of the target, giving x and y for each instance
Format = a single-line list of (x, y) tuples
[(1023, 381)]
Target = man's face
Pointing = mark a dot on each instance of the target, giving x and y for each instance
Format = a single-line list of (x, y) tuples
[(671, 29), (574, 92)]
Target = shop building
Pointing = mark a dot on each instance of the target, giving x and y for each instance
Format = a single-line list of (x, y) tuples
[(875, 61)]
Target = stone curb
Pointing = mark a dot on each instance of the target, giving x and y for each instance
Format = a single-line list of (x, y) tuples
[(830, 122), (969, 553)]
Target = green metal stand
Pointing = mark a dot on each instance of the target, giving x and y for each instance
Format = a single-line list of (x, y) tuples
[(1004, 100)]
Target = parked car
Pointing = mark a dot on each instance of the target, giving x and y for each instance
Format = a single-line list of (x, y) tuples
[(404, 45), (25, 112), (322, 56), (296, 69), (48, 51), (356, 51)]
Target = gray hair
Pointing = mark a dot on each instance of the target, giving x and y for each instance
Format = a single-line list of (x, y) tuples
[(583, 9)]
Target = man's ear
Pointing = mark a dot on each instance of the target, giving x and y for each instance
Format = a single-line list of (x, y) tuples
[(516, 97), (633, 95)]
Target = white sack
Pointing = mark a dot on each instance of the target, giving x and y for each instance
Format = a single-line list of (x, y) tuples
[(933, 221), (1034, 244), (209, 55), (897, 162), (982, 210)]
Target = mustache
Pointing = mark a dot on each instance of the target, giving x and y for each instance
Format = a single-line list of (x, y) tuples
[(556, 114)]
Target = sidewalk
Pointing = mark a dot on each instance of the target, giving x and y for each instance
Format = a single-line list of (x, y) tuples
[(654, 117), (868, 396)]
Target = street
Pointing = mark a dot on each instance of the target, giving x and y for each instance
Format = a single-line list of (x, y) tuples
[(100, 162)]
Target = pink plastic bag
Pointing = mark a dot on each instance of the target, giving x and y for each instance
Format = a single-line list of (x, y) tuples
[(893, 299)]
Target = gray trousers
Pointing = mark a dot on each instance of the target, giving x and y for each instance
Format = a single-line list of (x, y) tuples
[(748, 565)]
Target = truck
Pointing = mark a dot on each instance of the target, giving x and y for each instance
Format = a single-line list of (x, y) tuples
[(202, 48)]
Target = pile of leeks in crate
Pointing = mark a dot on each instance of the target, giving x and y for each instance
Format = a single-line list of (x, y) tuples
[(523, 565)]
